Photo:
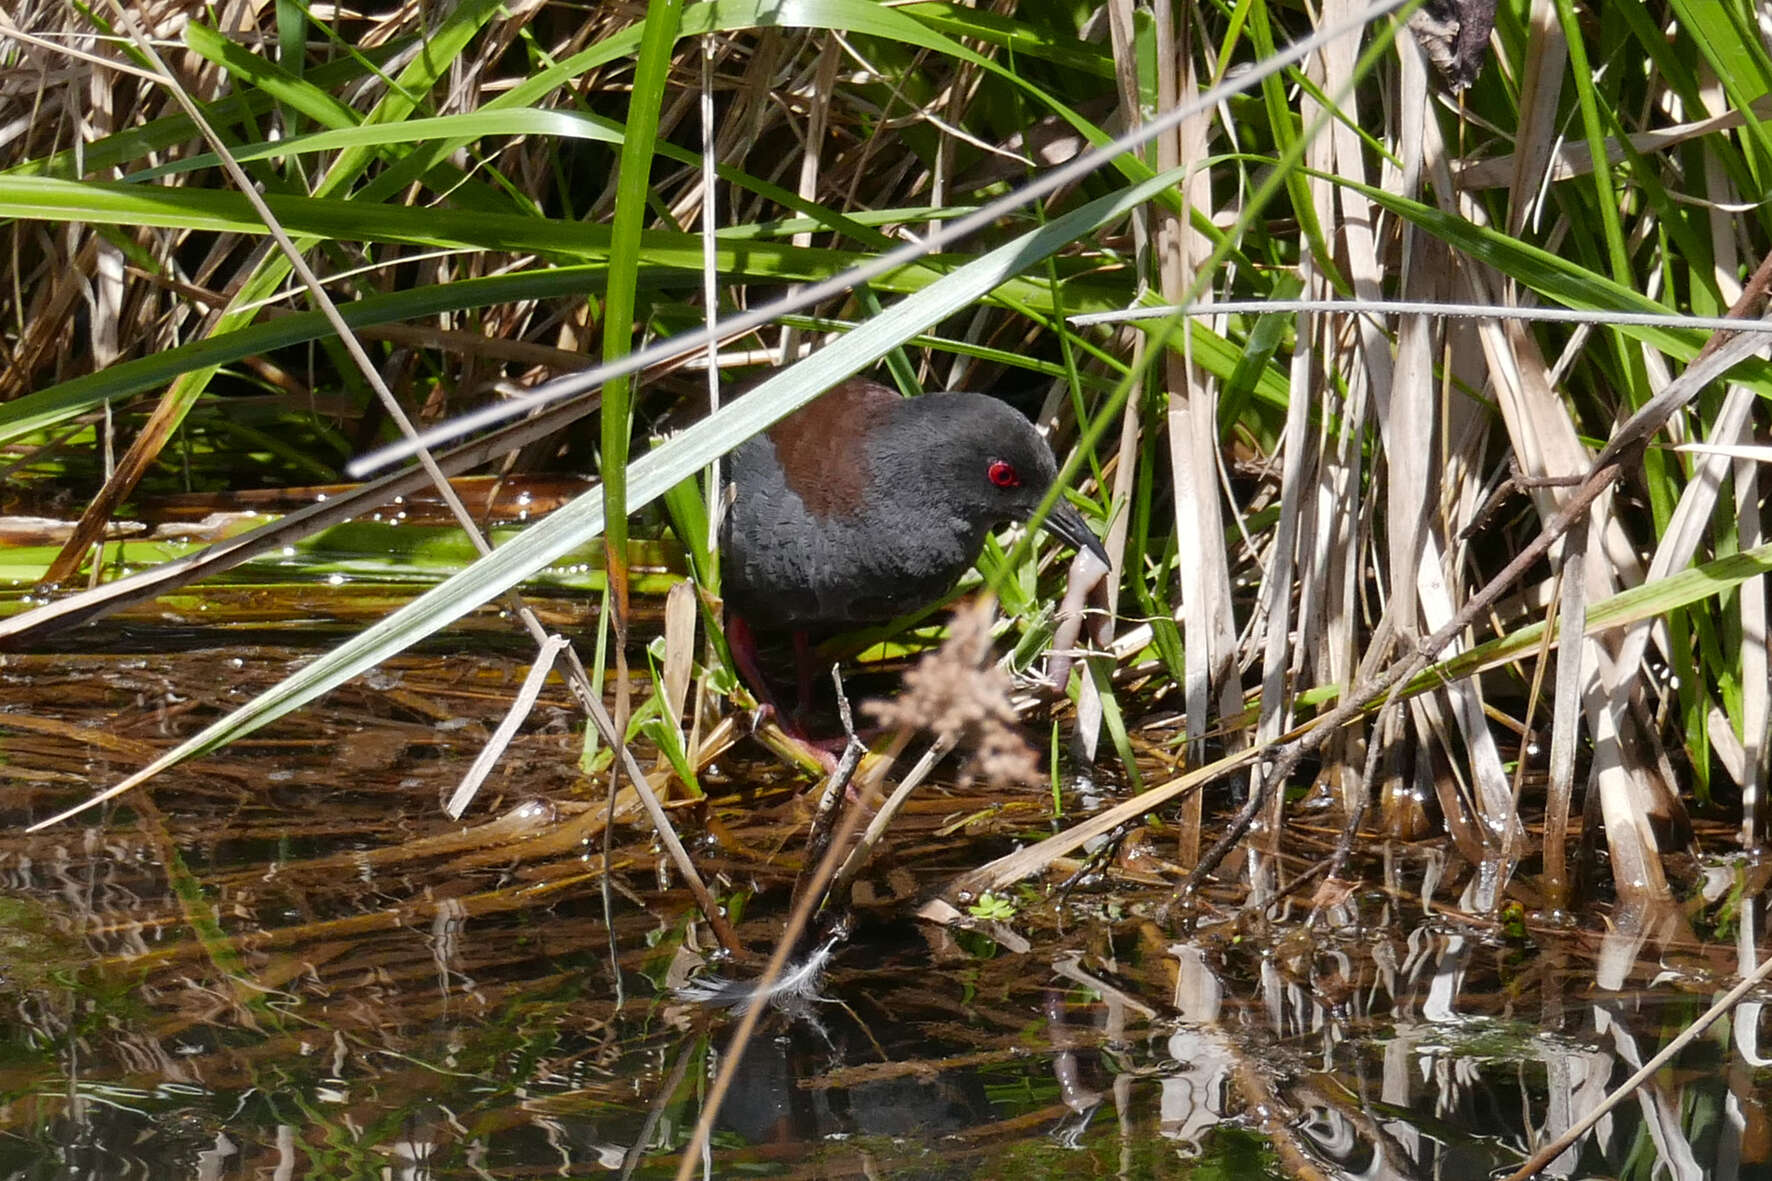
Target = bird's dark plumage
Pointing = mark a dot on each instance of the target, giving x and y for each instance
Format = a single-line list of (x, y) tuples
[(864, 505)]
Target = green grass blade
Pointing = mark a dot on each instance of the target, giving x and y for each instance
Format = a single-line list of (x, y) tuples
[(633, 187)]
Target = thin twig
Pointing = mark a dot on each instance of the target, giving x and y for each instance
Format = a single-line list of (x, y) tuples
[(1407, 307), (836, 788), (1544, 1156), (507, 728), (858, 856)]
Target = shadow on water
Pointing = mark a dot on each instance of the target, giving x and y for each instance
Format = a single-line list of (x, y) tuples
[(283, 961)]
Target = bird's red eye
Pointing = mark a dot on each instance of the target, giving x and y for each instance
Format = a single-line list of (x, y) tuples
[(1003, 474)]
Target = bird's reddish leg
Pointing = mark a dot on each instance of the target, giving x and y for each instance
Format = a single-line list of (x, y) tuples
[(805, 664), (743, 643), (803, 667)]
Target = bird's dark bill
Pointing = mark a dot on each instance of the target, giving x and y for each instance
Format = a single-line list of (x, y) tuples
[(1067, 524)]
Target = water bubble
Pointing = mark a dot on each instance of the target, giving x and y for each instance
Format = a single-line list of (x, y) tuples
[(335, 580)]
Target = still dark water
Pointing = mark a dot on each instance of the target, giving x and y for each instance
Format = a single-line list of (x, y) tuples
[(283, 961)]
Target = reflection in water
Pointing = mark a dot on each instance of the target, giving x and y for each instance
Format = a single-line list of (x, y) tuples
[(283, 962)]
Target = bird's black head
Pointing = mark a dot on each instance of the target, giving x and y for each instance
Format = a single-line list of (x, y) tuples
[(983, 462)]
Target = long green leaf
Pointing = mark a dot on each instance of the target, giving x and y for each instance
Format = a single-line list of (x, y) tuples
[(633, 185), (136, 143)]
